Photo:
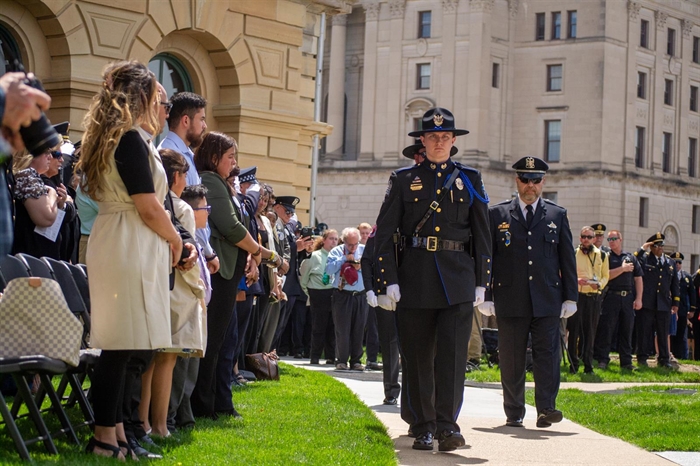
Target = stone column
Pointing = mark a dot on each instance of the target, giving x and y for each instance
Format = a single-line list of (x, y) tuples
[(336, 88), (683, 97), (656, 122), (633, 31), (447, 65), (369, 82), (388, 137)]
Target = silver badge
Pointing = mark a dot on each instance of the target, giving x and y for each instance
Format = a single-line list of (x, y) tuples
[(459, 184)]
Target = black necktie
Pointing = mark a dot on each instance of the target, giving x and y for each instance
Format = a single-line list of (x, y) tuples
[(530, 215)]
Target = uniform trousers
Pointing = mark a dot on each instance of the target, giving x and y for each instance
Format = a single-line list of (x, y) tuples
[(434, 357), (389, 342), (513, 335), (297, 323), (350, 317), (651, 320), (582, 326), (372, 335), (322, 325), (267, 334), (617, 313), (285, 314), (679, 341)]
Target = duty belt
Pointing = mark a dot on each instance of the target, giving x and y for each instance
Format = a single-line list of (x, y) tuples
[(433, 243), (621, 293)]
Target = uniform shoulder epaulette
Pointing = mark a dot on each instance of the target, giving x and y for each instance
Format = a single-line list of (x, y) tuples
[(551, 203), (465, 167), (403, 169)]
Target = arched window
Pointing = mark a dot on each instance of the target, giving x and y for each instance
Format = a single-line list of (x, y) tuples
[(172, 75), (9, 51)]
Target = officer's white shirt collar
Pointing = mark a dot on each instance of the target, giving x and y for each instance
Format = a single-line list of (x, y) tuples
[(523, 206)]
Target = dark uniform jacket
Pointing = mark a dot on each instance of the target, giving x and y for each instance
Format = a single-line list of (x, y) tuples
[(687, 295), (661, 286), (534, 271), (442, 278)]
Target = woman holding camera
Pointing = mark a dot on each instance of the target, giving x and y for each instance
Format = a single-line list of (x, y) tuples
[(318, 286)]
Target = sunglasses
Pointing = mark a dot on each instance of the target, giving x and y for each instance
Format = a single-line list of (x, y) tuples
[(289, 212), (168, 106), (524, 180), (56, 154), (207, 208), (613, 238), (587, 236)]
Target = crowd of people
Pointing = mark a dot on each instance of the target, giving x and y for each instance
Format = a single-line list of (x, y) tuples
[(193, 263)]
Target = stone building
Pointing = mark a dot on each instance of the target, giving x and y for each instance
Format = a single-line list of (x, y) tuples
[(254, 61), (606, 92)]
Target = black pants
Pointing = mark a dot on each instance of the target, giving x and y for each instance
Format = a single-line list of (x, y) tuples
[(679, 341), (513, 335), (617, 313), (389, 341), (582, 327), (184, 379), (651, 320), (285, 313), (322, 326), (372, 335), (297, 323), (434, 345), (350, 317)]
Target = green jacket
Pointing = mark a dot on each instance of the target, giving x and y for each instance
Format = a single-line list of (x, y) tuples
[(224, 221)]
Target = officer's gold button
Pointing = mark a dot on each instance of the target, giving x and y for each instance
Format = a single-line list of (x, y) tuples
[(381, 258), (439, 210), (529, 247), (437, 192), (385, 282), (530, 277), (382, 270), (529, 233), (488, 271), (488, 260), (437, 228), (659, 284), (379, 280), (415, 200), (439, 174), (461, 200)]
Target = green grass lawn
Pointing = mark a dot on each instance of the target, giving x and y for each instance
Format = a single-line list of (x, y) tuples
[(306, 418), (655, 418)]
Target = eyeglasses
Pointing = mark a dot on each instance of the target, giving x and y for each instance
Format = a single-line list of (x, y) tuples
[(207, 208), (289, 212), (434, 137), (612, 238), (56, 154), (587, 236), (524, 180), (168, 106)]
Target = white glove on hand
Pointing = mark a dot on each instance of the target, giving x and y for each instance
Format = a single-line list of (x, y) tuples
[(568, 308), (371, 298), (392, 291), (385, 302), (487, 308), (479, 295)]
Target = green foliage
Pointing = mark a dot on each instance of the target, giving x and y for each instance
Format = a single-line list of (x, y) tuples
[(305, 418)]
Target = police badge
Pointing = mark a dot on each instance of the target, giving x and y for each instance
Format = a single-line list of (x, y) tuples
[(438, 119)]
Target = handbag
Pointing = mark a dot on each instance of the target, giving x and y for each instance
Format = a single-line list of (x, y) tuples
[(263, 365), (35, 320)]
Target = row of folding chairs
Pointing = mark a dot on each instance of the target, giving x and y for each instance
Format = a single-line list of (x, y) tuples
[(74, 285)]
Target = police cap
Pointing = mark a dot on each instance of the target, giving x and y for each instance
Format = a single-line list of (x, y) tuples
[(657, 238), (677, 256), (288, 202), (247, 175), (531, 167)]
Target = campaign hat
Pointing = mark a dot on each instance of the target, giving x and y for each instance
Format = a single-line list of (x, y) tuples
[(435, 120)]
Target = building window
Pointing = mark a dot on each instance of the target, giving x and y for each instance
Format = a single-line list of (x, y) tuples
[(668, 91), (671, 42), (551, 195), (696, 219), (556, 25), (9, 52), (643, 212), (173, 75), (641, 85), (694, 259), (692, 157), (424, 20), (693, 98), (552, 142), (571, 29), (696, 49), (666, 153), (554, 77), (639, 148), (423, 78), (644, 34), (539, 26), (495, 75)]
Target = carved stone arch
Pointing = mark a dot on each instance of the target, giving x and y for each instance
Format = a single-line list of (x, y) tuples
[(416, 108), (672, 241)]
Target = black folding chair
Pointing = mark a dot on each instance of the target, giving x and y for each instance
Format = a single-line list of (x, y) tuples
[(80, 278), (13, 267), (36, 267)]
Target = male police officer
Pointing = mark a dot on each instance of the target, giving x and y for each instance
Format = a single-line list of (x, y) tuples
[(660, 299), (534, 285), (440, 210), (686, 305)]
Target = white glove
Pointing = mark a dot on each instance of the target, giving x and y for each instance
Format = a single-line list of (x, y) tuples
[(392, 291), (385, 302), (371, 298), (568, 308), (479, 295), (487, 308)]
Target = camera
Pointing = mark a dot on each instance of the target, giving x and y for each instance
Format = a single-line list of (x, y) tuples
[(307, 232), (40, 136)]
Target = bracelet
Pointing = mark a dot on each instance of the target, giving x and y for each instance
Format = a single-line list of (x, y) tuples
[(272, 256), (211, 258), (259, 251)]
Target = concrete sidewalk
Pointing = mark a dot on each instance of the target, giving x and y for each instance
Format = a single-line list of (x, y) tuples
[(489, 441)]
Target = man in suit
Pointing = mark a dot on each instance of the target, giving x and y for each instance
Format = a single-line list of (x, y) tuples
[(686, 306), (660, 299), (439, 208), (534, 284)]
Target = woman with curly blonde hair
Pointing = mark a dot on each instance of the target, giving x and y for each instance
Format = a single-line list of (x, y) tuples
[(133, 243)]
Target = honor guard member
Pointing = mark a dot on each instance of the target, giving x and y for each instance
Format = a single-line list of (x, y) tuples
[(416, 152), (660, 299), (686, 306), (534, 285), (439, 209)]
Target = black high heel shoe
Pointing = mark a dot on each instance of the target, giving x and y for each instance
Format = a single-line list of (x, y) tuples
[(90, 448)]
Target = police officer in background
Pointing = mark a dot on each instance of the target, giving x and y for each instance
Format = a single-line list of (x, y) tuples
[(439, 208), (599, 240), (659, 300), (534, 285), (686, 305)]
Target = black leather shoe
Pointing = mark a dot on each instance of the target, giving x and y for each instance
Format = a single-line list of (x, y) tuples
[(374, 366), (424, 441), (514, 423), (390, 400), (298, 356), (547, 418), (141, 452), (449, 440)]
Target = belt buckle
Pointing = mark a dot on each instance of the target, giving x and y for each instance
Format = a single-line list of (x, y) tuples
[(431, 243), (623, 293)]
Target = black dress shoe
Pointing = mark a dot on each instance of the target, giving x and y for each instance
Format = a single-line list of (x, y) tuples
[(449, 440), (514, 423), (410, 432), (390, 400), (424, 441), (139, 451), (314, 362), (547, 418), (643, 363)]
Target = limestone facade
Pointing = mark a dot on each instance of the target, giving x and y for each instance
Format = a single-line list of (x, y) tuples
[(254, 61), (512, 83)]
